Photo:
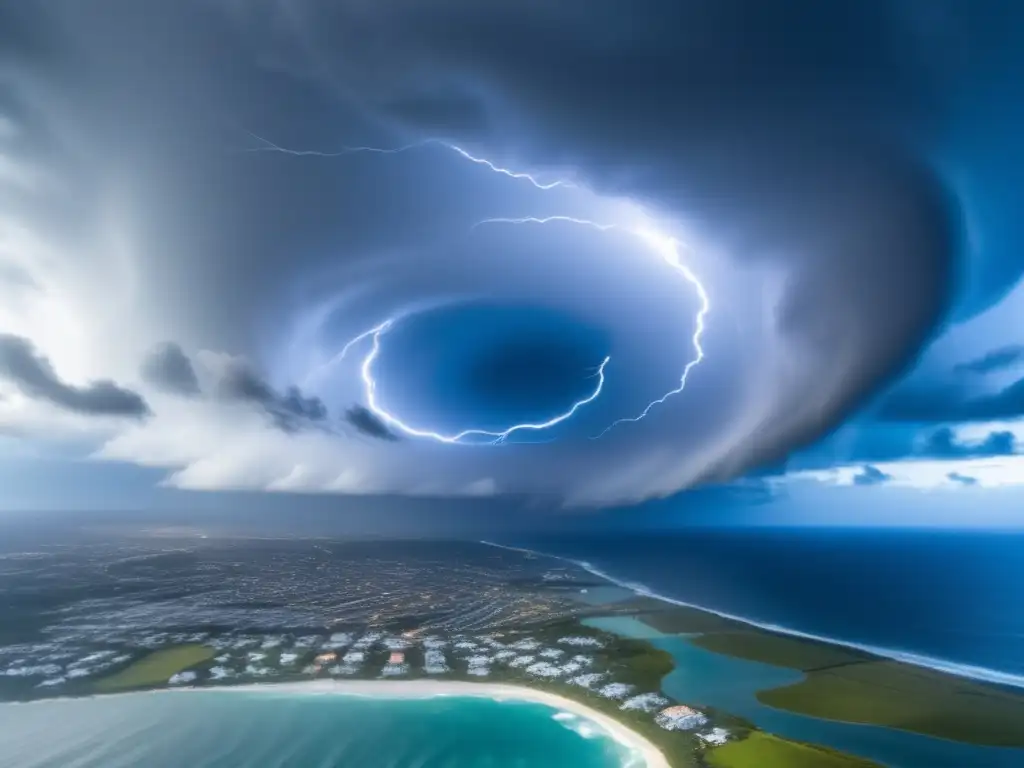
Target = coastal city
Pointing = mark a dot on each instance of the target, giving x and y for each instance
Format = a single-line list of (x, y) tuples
[(102, 612), (511, 384), (580, 661), (100, 587), (162, 611)]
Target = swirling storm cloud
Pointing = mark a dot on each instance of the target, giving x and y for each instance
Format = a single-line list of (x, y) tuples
[(594, 251)]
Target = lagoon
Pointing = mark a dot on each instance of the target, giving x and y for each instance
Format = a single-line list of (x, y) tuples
[(706, 679)]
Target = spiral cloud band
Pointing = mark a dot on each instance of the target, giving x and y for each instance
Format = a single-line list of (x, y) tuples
[(665, 246), (631, 278)]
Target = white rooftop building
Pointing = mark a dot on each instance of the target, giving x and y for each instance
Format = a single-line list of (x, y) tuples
[(434, 662), (588, 680), (544, 669), (337, 641), (715, 737), (680, 718), (645, 702), (581, 641), (182, 678), (616, 690), (479, 666), (395, 670)]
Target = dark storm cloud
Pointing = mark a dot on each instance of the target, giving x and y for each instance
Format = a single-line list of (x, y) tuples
[(788, 140), (951, 403), (996, 360), (942, 444), (781, 134), (290, 410), (871, 475), (367, 422), (873, 442), (168, 368), (296, 403), (33, 374), (956, 477)]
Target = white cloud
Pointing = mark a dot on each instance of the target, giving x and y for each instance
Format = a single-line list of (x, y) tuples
[(208, 445), (990, 472), (485, 486), (141, 242), (974, 434)]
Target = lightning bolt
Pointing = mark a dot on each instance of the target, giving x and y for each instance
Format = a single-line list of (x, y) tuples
[(310, 378), (546, 220), (668, 248), (370, 388), (507, 172), (266, 145), (665, 246)]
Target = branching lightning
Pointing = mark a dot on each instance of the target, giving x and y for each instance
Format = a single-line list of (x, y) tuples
[(665, 246), (265, 145), (496, 438), (668, 247), (546, 220), (507, 172)]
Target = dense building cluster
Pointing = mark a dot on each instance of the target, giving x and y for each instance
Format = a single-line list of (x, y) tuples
[(369, 612)]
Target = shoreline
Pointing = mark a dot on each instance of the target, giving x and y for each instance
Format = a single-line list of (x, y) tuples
[(634, 743), (956, 669)]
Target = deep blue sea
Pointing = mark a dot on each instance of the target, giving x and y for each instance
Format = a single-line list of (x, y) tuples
[(230, 728), (951, 599)]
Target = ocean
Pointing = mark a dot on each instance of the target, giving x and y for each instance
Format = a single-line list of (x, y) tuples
[(227, 728), (944, 599)]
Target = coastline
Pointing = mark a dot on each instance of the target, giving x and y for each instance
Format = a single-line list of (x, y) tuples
[(630, 740), (966, 671)]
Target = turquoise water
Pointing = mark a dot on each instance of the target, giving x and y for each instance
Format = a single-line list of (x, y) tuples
[(703, 678), (231, 728), (624, 626), (604, 595)]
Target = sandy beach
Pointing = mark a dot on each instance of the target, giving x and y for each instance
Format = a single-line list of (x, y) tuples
[(419, 689)]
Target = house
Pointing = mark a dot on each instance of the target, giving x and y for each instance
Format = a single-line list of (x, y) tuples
[(680, 718), (714, 737)]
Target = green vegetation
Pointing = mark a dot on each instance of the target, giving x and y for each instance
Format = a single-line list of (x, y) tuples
[(156, 668), (762, 750), (673, 619), (779, 650), (908, 698), (637, 662), (680, 749), (855, 687)]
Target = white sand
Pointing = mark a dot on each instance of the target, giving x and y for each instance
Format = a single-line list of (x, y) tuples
[(423, 689)]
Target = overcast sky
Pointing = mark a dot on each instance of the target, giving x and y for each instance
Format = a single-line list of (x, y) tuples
[(587, 253)]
